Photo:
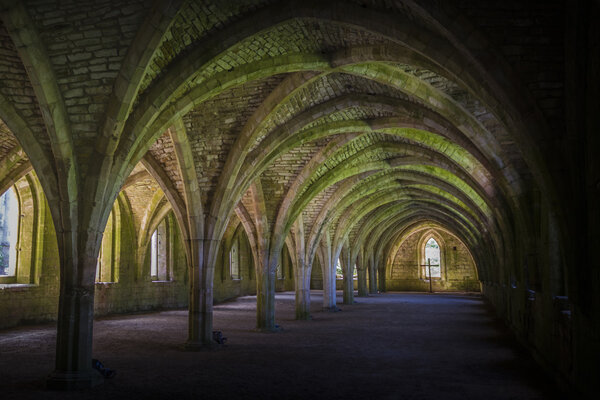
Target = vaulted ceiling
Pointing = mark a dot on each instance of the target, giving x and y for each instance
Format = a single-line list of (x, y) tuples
[(360, 119)]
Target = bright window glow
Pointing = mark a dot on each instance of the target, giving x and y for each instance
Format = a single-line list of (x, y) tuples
[(9, 230), (432, 253), (154, 255), (99, 266), (234, 260)]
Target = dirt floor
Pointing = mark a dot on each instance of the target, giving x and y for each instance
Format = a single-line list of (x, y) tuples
[(387, 346)]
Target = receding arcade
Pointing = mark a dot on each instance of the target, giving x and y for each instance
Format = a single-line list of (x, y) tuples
[(171, 157)]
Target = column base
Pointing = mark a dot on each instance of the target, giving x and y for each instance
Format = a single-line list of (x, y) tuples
[(304, 317), (59, 380), (332, 309)]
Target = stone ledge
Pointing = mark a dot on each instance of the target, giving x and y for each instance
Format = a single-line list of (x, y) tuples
[(16, 286)]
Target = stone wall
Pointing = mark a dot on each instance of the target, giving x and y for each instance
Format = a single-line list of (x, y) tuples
[(458, 269), (225, 286), (38, 302)]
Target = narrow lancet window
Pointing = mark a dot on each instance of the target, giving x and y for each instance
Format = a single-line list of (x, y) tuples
[(432, 256), (154, 255), (9, 230), (234, 260)]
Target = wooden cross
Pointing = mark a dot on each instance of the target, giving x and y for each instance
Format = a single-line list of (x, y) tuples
[(428, 265)]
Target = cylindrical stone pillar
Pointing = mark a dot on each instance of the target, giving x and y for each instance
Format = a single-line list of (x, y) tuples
[(372, 279), (76, 312), (348, 282), (381, 279), (362, 282), (265, 299)]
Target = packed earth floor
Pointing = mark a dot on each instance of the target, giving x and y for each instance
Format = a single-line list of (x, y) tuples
[(386, 346)]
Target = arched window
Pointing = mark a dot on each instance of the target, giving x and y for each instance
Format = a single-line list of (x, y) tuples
[(160, 253), (432, 259), (21, 232), (234, 259), (154, 255), (9, 232)]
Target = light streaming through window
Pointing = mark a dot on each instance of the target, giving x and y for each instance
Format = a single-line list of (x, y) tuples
[(9, 230), (432, 253), (234, 260), (154, 255)]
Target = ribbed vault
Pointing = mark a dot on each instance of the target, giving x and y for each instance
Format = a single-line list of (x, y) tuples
[(334, 128)]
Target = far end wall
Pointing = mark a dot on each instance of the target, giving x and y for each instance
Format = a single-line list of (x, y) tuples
[(458, 272)]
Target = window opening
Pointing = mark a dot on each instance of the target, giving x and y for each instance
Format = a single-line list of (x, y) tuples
[(432, 253), (234, 260), (9, 230), (154, 255), (99, 266), (160, 253)]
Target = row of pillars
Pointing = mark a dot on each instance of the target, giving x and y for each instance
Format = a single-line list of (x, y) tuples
[(375, 283), (76, 310)]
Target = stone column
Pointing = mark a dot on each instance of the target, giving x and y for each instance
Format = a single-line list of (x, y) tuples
[(200, 314), (372, 277), (329, 280), (265, 296), (328, 271), (362, 282), (73, 368), (381, 279), (362, 276), (348, 279), (302, 286)]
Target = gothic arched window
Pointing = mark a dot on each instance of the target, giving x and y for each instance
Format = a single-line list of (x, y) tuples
[(432, 259), (9, 232), (21, 232), (160, 252), (234, 259)]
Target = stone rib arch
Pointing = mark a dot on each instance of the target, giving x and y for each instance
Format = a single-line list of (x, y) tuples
[(12, 170), (343, 96), (34, 151), (129, 80), (49, 97), (170, 193), (250, 229)]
